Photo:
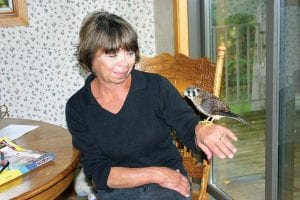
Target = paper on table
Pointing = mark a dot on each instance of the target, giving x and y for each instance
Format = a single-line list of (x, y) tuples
[(14, 131)]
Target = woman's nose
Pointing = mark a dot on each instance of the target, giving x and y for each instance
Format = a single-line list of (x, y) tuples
[(123, 58)]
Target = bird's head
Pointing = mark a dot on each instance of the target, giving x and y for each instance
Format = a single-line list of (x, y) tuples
[(191, 92)]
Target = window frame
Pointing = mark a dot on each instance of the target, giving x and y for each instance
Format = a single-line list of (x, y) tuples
[(17, 17)]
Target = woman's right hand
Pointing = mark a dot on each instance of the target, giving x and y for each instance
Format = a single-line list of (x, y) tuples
[(172, 179), (124, 177)]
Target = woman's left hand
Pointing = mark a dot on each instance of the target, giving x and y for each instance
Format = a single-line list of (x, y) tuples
[(215, 140)]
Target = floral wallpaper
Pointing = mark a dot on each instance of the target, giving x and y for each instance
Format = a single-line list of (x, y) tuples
[(38, 69)]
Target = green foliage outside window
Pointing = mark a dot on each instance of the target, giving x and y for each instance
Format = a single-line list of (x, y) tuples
[(240, 53), (240, 29), (3, 3)]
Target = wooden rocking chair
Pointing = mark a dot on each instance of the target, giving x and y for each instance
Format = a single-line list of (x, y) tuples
[(182, 72)]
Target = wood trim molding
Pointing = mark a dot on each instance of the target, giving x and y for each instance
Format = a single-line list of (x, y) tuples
[(181, 28), (18, 17)]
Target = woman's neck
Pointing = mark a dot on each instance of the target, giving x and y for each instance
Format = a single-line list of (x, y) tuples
[(111, 96), (104, 88)]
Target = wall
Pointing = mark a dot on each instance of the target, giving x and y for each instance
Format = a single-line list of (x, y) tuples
[(196, 29), (164, 31), (38, 70)]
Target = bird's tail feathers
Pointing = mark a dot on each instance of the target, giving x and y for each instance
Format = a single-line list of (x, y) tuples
[(238, 118)]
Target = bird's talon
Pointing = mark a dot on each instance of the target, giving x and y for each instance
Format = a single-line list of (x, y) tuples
[(207, 123)]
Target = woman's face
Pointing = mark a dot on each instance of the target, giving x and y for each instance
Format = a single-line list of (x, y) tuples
[(113, 67)]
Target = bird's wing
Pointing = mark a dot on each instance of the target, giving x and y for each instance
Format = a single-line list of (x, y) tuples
[(214, 105)]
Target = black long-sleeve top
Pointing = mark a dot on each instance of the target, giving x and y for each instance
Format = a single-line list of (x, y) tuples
[(138, 135)]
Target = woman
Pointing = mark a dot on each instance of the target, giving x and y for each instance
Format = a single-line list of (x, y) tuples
[(122, 118)]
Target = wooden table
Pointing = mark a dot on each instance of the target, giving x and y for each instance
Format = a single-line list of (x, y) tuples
[(49, 181)]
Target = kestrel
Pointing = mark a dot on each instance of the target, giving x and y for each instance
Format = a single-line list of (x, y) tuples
[(211, 106)]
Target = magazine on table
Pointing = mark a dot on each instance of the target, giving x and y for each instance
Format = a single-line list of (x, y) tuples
[(16, 161)]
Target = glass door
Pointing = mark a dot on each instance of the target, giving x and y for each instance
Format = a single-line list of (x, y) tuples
[(262, 83), (241, 25), (283, 168)]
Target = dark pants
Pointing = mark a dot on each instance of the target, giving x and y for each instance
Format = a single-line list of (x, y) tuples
[(145, 192)]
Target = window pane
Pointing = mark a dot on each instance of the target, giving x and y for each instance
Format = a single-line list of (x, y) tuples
[(289, 101), (241, 25)]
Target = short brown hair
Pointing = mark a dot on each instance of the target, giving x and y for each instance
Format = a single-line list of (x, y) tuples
[(107, 32)]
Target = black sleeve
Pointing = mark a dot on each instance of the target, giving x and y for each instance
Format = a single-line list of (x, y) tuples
[(177, 113), (95, 164)]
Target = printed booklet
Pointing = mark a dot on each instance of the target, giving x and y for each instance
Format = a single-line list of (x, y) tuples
[(16, 161)]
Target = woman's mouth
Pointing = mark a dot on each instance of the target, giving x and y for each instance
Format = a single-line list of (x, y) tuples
[(121, 74)]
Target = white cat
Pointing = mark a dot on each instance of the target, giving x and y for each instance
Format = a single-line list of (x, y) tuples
[(83, 186)]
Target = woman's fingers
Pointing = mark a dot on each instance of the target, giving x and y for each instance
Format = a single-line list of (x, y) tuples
[(229, 133), (181, 185), (205, 149), (228, 145), (184, 186), (174, 180), (217, 140)]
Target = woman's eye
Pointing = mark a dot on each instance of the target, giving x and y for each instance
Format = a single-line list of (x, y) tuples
[(111, 55), (130, 53)]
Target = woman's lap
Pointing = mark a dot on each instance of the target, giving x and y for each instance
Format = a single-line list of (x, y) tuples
[(146, 192)]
